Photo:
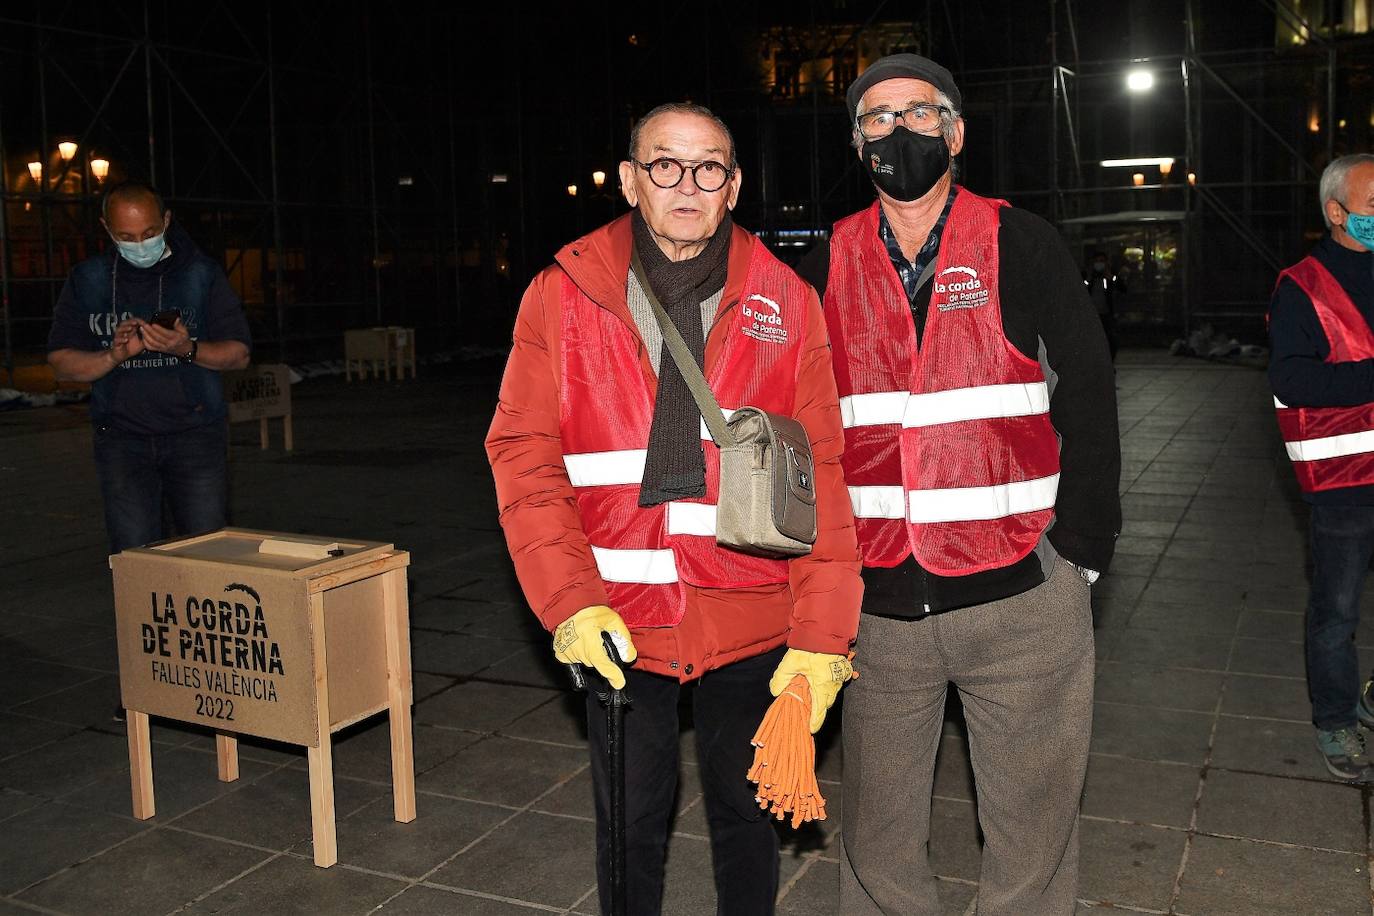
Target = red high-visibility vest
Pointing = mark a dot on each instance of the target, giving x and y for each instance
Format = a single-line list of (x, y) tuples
[(949, 452), (1330, 447), (643, 555)]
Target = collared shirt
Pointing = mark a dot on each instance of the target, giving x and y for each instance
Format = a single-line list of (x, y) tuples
[(910, 271)]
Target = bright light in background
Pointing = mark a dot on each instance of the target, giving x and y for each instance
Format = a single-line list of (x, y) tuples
[(1140, 80), (36, 171), (572, 190), (100, 168), (598, 178), (66, 149), (1138, 179), (1160, 161), (1192, 178), (1166, 167), (499, 178)]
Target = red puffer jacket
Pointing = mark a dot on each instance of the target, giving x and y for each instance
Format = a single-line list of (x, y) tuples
[(817, 610)]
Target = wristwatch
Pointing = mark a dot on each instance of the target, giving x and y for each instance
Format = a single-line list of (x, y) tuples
[(1088, 575), (190, 356)]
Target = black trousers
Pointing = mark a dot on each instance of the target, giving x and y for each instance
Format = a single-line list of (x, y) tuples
[(727, 706)]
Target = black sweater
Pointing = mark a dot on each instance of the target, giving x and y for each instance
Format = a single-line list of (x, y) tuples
[(1298, 372), (1044, 302)]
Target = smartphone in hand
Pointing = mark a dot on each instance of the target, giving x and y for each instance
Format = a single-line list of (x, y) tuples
[(167, 318)]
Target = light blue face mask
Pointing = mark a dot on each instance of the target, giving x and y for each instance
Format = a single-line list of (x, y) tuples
[(145, 253), (1359, 227)]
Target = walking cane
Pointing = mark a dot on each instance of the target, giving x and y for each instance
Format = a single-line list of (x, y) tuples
[(615, 702)]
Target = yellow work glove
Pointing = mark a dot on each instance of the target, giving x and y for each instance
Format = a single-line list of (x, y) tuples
[(577, 641), (825, 675)]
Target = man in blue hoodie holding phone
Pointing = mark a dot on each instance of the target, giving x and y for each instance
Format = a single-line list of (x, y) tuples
[(151, 323)]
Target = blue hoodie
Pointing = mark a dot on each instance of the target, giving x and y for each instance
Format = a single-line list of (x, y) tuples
[(152, 393)]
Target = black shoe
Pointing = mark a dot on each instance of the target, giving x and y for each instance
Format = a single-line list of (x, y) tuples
[(118, 714)]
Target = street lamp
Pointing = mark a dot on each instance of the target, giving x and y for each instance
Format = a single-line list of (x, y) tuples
[(66, 149), (598, 179), (1138, 179), (36, 171), (572, 190), (1140, 80), (100, 168)]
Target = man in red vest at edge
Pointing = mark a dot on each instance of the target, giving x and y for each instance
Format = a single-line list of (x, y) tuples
[(1321, 367), (607, 481), (982, 459)]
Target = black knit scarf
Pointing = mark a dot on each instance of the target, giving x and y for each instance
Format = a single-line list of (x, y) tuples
[(675, 467)]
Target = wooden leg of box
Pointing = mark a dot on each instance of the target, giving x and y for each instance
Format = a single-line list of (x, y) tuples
[(227, 756), (399, 691), (286, 432), (262, 432), (321, 756), (140, 764)]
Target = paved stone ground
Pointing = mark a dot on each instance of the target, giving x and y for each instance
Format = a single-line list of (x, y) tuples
[(1205, 795)]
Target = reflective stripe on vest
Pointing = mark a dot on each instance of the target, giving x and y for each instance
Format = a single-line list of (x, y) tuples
[(604, 469), (1330, 447), (650, 567), (954, 405), (955, 504)]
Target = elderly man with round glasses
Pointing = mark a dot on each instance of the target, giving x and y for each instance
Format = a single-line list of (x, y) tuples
[(982, 461), (608, 491)]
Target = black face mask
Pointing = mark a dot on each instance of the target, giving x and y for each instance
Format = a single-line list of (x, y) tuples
[(905, 165)]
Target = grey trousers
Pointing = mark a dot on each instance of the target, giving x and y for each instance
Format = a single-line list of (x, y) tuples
[(1024, 670)]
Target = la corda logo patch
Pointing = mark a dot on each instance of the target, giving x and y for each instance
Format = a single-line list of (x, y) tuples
[(961, 288), (761, 319)]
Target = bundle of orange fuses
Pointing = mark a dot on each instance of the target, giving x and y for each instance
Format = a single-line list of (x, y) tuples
[(785, 758)]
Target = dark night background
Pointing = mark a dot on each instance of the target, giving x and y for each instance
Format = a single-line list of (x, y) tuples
[(340, 157)]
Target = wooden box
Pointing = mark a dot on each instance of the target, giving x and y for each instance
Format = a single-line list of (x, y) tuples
[(281, 636), (371, 347), (260, 393)]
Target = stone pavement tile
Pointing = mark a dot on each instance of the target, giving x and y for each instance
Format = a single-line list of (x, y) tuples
[(371, 838), (458, 654), (425, 686), (955, 841), (1263, 656), (364, 751), (1141, 791), (1132, 566), (13, 803), (1294, 811), (1120, 587), (953, 772), (562, 719), (504, 771), (273, 811), (163, 865), (61, 766), (1266, 697), (574, 799), (287, 886), (1110, 612), (1104, 640), (91, 703), (1187, 569), (1172, 649), (1241, 878), (100, 656), (1130, 545), (1212, 594), (1290, 598), (1158, 487), (1197, 548), (443, 615), (479, 706), (1150, 734), (1128, 864), (1216, 622), (24, 734), (815, 893), (509, 621), (182, 779), (56, 836), (432, 901), (534, 857), (265, 750), (1277, 748), (22, 679), (1272, 625), (535, 665)]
